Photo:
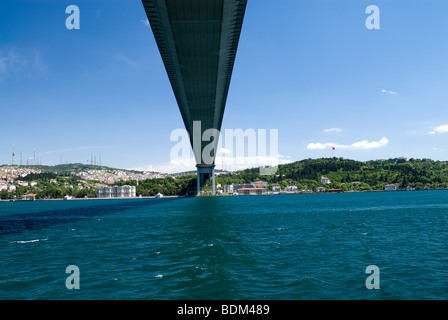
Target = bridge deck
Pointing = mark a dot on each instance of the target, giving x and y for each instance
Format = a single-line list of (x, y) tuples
[(198, 40)]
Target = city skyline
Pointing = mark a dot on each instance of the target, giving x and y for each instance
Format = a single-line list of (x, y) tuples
[(312, 70)]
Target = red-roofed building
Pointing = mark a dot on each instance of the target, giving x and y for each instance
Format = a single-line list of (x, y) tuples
[(324, 180), (29, 197)]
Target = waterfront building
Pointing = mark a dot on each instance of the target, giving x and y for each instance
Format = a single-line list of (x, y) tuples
[(320, 189), (251, 191), (276, 187), (260, 184), (116, 192), (391, 187), (238, 186), (227, 188), (29, 197)]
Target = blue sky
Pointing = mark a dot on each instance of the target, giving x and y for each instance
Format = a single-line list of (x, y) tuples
[(310, 69)]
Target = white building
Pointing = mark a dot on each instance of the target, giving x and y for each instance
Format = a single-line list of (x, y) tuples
[(325, 180), (291, 188), (391, 187), (116, 192), (227, 188)]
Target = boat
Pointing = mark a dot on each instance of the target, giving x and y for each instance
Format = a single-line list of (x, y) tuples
[(159, 195)]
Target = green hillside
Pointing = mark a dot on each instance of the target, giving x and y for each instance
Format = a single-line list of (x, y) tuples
[(350, 174), (344, 174)]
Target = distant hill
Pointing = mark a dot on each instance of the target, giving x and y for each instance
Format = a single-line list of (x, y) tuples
[(73, 167), (346, 173), (70, 167), (343, 173)]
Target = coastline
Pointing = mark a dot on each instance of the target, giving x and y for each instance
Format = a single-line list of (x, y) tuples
[(222, 195), (118, 198)]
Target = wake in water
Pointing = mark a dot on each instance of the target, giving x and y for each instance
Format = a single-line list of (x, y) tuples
[(28, 241)]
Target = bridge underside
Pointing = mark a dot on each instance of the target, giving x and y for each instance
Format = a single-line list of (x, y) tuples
[(198, 40)]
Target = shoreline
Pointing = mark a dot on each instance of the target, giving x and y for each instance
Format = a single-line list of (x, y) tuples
[(222, 195), (118, 198)]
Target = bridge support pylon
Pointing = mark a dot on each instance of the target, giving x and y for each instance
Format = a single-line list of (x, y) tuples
[(204, 173)]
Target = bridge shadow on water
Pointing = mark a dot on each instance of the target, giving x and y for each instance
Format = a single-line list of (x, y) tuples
[(215, 249), (18, 223)]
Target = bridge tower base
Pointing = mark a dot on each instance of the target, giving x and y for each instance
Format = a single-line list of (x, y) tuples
[(205, 173)]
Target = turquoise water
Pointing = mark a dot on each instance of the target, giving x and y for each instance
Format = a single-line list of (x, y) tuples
[(254, 247)]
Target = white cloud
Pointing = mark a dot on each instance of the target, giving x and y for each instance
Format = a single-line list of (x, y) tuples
[(73, 149), (226, 163), (389, 92), (39, 65), (11, 63), (173, 166), (145, 23), (316, 146), (440, 129), (356, 145), (332, 130), (124, 58), (369, 145), (15, 64), (225, 151)]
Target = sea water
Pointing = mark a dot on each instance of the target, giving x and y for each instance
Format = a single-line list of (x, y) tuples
[(303, 246)]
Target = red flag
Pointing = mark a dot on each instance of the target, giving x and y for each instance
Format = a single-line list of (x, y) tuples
[(333, 148)]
